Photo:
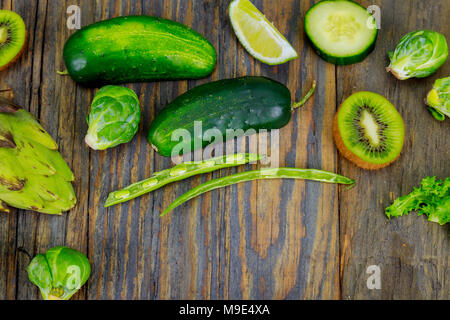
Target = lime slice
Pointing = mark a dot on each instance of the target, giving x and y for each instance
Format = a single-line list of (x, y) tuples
[(258, 35)]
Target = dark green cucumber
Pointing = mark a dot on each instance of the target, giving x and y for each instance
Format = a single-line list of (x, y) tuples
[(137, 49), (241, 103), (341, 31)]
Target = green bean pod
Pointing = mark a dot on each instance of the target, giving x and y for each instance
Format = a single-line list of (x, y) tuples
[(177, 173), (267, 173)]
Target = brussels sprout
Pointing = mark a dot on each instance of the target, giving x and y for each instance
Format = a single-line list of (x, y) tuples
[(59, 273), (114, 117), (419, 54), (438, 100)]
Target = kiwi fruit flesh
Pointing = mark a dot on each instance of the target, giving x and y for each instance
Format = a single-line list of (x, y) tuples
[(369, 131), (12, 37)]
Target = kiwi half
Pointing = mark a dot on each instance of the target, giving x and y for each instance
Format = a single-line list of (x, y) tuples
[(369, 131), (12, 37)]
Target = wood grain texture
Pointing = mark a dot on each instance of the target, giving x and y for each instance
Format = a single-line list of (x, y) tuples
[(257, 240)]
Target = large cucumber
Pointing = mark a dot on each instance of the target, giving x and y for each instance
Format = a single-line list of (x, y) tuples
[(241, 103), (137, 49)]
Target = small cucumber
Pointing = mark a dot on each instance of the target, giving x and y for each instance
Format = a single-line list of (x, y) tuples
[(241, 103), (137, 49), (341, 31)]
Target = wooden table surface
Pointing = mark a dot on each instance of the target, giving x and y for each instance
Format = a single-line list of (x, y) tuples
[(259, 240)]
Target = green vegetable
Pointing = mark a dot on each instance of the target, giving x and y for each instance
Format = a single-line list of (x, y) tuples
[(268, 173), (419, 54), (177, 173), (59, 273), (114, 117), (438, 100), (137, 49), (432, 199), (13, 36), (233, 104), (339, 31), (33, 175)]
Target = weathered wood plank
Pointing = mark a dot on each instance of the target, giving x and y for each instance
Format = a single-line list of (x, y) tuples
[(259, 240), (411, 253)]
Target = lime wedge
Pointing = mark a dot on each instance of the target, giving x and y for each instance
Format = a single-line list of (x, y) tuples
[(258, 35)]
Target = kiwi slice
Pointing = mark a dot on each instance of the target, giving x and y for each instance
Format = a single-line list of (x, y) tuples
[(12, 37), (369, 131)]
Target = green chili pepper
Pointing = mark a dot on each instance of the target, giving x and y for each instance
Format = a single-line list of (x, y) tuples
[(177, 173), (268, 173)]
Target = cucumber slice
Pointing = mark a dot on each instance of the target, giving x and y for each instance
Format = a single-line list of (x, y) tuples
[(341, 31)]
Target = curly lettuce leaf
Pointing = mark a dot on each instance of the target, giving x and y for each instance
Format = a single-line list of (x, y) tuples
[(432, 199)]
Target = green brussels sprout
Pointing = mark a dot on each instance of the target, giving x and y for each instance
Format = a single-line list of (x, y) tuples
[(60, 273), (114, 117), (438, 99), (419, 54)]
